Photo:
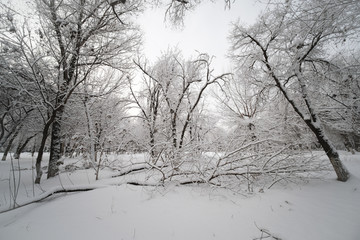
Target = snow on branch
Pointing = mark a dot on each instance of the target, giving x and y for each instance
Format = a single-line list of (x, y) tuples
[(51, 192)]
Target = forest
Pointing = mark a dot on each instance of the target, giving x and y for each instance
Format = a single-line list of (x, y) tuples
[(82, 108)]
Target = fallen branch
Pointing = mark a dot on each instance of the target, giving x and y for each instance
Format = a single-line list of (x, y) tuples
[(144, 184), (51, 192), (193, 182), (69, 189), (144, 166), (131, 170)]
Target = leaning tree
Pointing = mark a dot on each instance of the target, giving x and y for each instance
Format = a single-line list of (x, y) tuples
[(290, 42)]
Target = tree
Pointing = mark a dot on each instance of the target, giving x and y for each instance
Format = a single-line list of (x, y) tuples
[(177, 9), (103, 110), (72, 39), (16, 86), (240, 104), (173, 95), (149, 104), (340, 113), (86, 34), (287, 42)]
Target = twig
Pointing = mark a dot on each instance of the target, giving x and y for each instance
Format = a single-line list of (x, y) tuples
[(267, 233)]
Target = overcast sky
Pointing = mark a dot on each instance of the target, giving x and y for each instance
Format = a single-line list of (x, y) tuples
[(206, 30)]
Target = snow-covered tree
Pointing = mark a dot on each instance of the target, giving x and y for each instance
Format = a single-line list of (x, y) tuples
[(287, 42), (68, 42), (83, 35), (173, 99)]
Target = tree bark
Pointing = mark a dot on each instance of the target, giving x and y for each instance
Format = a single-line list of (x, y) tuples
[(173, 115), (2, 128), (55, 146), (152, 144), (41, 149), (333, 155)]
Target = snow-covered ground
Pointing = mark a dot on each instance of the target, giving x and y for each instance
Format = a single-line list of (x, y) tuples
[(322, 209)]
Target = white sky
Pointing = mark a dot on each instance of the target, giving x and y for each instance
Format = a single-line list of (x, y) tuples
[(205, 30)]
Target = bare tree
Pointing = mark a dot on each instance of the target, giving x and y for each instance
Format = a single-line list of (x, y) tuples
[(72, 40), (176, 91), (176, 10), (103, 109), (340, 87), (83, 35), (240, 102), (16, 86)]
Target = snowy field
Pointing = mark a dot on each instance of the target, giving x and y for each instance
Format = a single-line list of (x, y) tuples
[(321, 209)]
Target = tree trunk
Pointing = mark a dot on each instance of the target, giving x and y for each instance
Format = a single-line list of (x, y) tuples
[(173, 129), (340, 170), (90, 132), (7, 149), (33, 149), (10, 133), (152, 145), (41, 150), (21, 146), (55, 146), (187, 121), (98, 131), (2, 128)]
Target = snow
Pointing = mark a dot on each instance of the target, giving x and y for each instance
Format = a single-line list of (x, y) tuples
[(322, 209)]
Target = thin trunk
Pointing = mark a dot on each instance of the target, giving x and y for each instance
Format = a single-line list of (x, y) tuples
[(187, 121), (175, 153), (8, 147), (33, 149), (173, 133), (153, 116), (21, 146), (2, 128), (152, 145), (173, 128), (98, 131), (9, 134), (191, 110), (99, 163), (90, 131), (15, 127), (41, 149)]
